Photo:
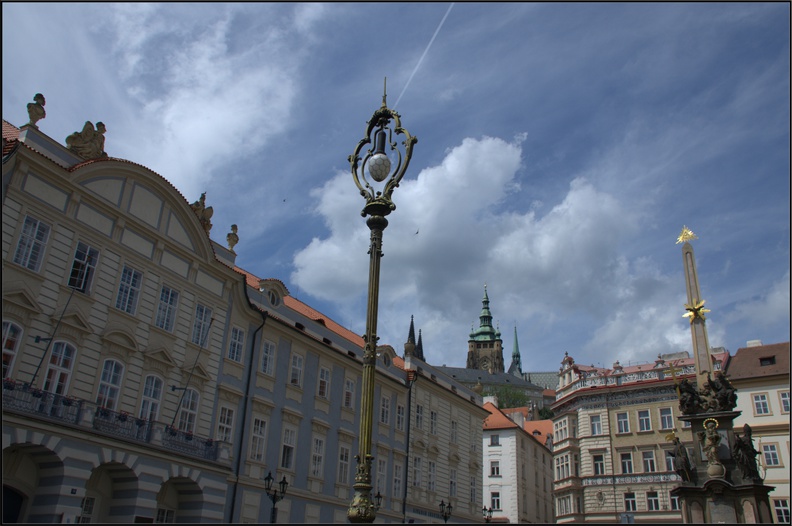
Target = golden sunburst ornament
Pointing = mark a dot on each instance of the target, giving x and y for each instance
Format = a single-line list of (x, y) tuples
[(686, 235), (695, 311)]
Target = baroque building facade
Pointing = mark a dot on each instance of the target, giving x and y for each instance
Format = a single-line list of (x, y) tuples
[(613, 439), (148, 378)]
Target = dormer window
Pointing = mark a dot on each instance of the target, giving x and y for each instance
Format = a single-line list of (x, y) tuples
[(768, 360), (274, 299)]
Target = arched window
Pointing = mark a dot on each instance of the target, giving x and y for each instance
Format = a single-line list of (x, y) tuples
[(11, 337), (188, 412), (59, 369), (110, 384), (152, 395)]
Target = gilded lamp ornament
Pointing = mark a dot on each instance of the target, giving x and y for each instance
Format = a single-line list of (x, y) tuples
[(376, 174), (695, 311)]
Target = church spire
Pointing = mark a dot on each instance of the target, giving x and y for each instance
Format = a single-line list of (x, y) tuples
[(419, 347), (485, 350), (516, 365), (409, 346)]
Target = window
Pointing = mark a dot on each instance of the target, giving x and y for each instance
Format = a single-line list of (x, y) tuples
[(83, 267), (784, 401), (109, 384), (561, 430), (317, 457), (397, 481), (565, 505), (287, 451), (385, 410), (495, 468), (166, 311), (323, 388), (622, 423), (629, 502), (652, 501), (400, 417), (473, 490), (770, 455), (767, 360), (675, 502), (596, 425), (644, 421), (453, 432), (129, 290), (382, 470), (562, 467), (433, 422), (626, 463), (761, 406), (417, 472), (188, 412), (11, 334), (782, 510), (669, 460), (419, 416), (494, 440), (648, 461), (258, 440), (59, 369), (267, 357), (236, 344), (152, 396), (203, 317), (495, 500), (666, 418), (343, 465), (599, 464), (164, 515), (452, 483), (349, 394), (296, 370), (32, 241), (86, 510), (225, 424), (432, 476)]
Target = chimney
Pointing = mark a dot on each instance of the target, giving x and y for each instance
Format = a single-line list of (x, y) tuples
[(754, 343)]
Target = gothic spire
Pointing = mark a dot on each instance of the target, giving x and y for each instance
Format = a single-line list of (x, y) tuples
[(516, 365), (409, 346), (419, 347)]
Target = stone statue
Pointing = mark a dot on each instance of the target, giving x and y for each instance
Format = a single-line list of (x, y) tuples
[(682, 464), (689, 399), (745, 454), (203, 212), (710, 440), (36, 109), (88, 143), (232, 238), (722, 392)]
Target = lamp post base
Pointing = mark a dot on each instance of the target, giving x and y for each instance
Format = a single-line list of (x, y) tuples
[(361, 509)]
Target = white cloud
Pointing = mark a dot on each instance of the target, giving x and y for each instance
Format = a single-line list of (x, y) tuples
[(770, 308)]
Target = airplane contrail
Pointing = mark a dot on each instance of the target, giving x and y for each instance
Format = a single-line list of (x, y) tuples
[(424, 54)]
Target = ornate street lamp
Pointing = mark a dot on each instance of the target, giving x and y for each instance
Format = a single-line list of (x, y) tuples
[(487, 512), (375, 163), (445, 510), (273, 494)]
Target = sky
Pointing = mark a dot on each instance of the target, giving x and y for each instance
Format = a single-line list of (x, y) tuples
[(561, 149)]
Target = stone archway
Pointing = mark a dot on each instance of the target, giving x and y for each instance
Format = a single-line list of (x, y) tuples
[(32, 477), (180, 499), (110, 494)]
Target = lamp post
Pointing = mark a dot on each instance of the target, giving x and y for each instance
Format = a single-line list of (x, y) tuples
[(445, 510), (487, 512), (273, 494), (380, 130)]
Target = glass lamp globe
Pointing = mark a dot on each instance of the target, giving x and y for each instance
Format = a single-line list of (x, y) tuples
[(379, 167)]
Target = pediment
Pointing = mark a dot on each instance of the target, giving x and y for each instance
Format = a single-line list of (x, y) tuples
[(21, 297), (160, 356), (121, 338), (200, 373), (74, 319)]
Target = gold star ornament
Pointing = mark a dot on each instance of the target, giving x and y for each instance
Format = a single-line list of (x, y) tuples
[(686, 235), (695, 311)]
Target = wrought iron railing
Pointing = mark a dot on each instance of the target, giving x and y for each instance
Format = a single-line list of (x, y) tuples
[(25, 399), (121, 423), (186, 442)]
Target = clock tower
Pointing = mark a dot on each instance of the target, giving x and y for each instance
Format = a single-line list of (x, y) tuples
[(485, 347)]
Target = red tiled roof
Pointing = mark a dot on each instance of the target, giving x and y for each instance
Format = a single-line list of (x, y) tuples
[(549, 392), (10, 132), (746, 362), (496, 419), (544, 427)]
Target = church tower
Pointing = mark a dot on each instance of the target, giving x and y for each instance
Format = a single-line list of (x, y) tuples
[(485, 347), (516, 364)]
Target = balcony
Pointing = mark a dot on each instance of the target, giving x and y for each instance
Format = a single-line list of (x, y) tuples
[(22, 399)]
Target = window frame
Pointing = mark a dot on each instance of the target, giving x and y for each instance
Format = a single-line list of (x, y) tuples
[(652, 501), (165, 317), (622, 424), (595, 425), (288, 448), (258, 440), (781, 509), (667, 418), (10, 353), (202, 323), (344, 455), (649, 462), (225, 424), (766, 402), (400, 417), (598, 464), (151, 397), (433, 422), (495, 468), (644, 420), (109, 389), (236, 344), (630, 503), (55, 367), (626, 461), (782, 399), (349, 394), (34, 247), (188, 410), (317, 456), (83, 269), (130, 285), (770, 451), (267, 362), (323, 383), (385, 404), (296, 367)]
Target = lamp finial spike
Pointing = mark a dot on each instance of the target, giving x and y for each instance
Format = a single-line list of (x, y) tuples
[(385, 93)]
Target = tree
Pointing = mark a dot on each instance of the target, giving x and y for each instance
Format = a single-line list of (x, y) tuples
[(546, 413), (508, 396)]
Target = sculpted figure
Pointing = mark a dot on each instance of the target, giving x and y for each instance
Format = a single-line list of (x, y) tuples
[(203, 212), (232, 238), (710, 440), (682, 464), (689, 399), (36, 109), (88, 143), (722, 391), (745, 454)]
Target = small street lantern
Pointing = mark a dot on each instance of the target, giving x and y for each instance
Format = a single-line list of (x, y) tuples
[(445, 510), (487, 512), (273, 494), (381, 130)]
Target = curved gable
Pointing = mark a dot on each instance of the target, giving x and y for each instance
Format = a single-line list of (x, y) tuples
[(148, 200)]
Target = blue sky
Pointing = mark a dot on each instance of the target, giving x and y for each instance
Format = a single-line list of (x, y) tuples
[(561, 149)]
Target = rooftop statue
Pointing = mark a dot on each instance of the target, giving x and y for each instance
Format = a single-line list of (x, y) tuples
[(36, 110), (203, 212), (88, 143), (232, 238)]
